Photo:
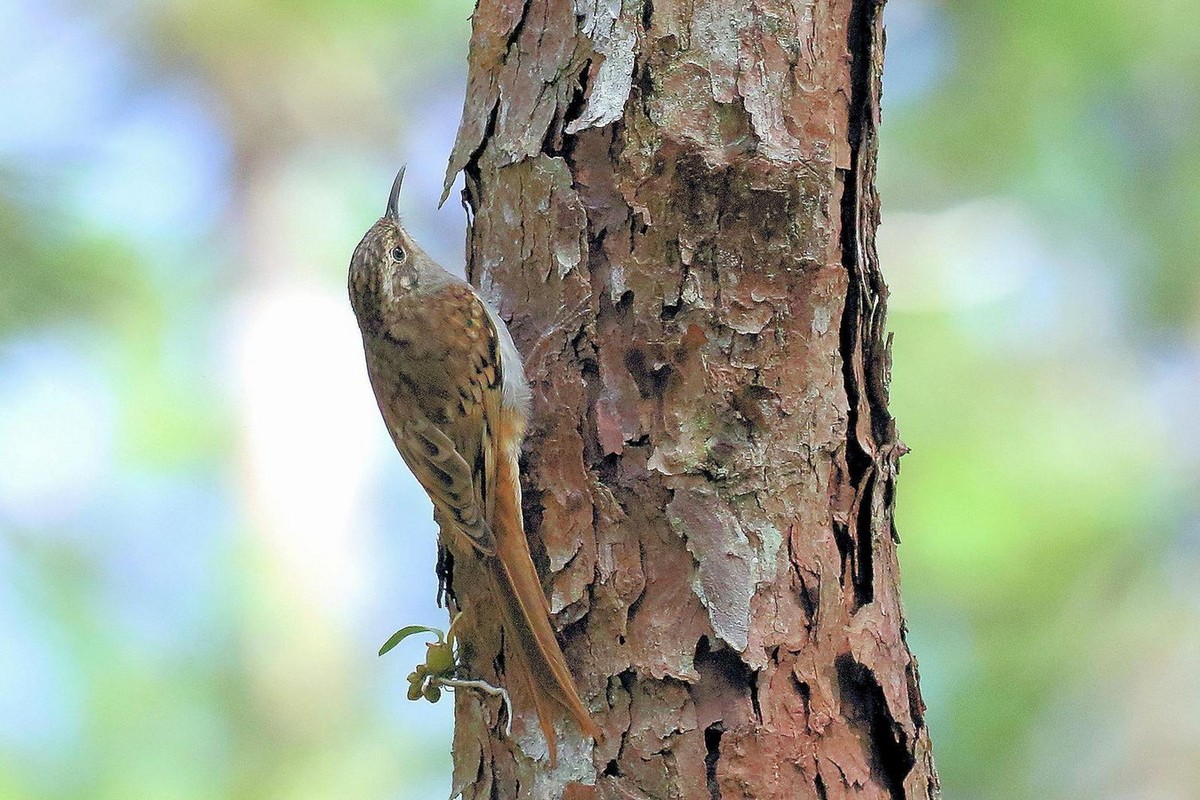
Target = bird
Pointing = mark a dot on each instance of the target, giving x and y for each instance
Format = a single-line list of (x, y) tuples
[(452, 391)]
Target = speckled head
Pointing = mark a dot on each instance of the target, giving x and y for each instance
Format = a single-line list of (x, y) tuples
[(386, 261)]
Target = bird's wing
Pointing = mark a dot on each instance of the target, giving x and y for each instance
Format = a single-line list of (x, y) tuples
[(446, 477), (447, 431), (487, 391)]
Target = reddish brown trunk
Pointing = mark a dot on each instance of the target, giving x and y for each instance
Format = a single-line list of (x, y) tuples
[(674, 206)]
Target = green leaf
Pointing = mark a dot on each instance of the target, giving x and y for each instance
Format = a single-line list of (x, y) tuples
[(405, 632)]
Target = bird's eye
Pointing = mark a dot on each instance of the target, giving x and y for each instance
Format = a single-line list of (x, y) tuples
[(398, 253)]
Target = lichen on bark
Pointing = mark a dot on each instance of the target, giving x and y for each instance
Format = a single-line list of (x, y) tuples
[(673, 205)]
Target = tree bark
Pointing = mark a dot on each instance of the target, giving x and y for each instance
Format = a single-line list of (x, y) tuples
[(673, 204)]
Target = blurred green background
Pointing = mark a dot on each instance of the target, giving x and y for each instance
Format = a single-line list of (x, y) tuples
[(205, 534)]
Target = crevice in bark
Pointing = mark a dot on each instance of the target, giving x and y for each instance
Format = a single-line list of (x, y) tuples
[(606, 469), (712, 748), (471, 171), (808, 599), (805, 691), (589, 373), (864, 578), (636, 605), (643, 84), (843, 537), (915, 706), (859, 45), (856, 545), (531, 508), (444, 570), (865, 707), (726, 667), (819, 787), (754, 705), (557, 141), (515, 33)]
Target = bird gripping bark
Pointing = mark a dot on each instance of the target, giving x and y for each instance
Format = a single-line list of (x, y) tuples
[(451, 388)]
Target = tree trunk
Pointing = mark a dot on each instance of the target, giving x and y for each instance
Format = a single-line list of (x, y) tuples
[(673, 205)]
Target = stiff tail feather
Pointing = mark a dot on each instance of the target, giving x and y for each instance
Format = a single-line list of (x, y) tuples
[(527, 617)]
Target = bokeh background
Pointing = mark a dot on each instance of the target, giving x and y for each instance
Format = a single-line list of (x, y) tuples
[(205, 534)]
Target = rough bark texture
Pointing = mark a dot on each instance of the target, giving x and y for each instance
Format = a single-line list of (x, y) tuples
[(673, 203)]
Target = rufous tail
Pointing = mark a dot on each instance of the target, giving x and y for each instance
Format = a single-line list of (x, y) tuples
[(527, 616)]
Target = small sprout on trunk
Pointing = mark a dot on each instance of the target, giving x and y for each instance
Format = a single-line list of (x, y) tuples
[(441, 669)]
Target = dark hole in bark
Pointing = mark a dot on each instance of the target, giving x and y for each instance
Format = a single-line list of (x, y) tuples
[(647, 13), (651, 382), (866, 710), (607, 469), (845, 546), (724, 670), (589, 371), (819, 785), (712, 746), (809, 597), (805, 694), (531, 504)]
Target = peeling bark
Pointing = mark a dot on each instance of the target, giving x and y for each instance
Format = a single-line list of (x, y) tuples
[(673, 205)]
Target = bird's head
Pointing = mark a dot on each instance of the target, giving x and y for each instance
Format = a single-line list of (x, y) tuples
[(387, 261)]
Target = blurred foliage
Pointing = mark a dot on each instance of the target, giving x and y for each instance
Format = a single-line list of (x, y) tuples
[(1088, 116), (61, 276), (1040, 172), (180, 184)]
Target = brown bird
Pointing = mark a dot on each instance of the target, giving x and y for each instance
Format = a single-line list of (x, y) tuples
[(452, 391)]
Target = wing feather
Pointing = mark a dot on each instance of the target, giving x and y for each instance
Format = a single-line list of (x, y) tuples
[(447, 479), (447, 400)]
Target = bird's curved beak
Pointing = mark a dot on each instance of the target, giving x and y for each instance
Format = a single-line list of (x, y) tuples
[(393, 206)]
